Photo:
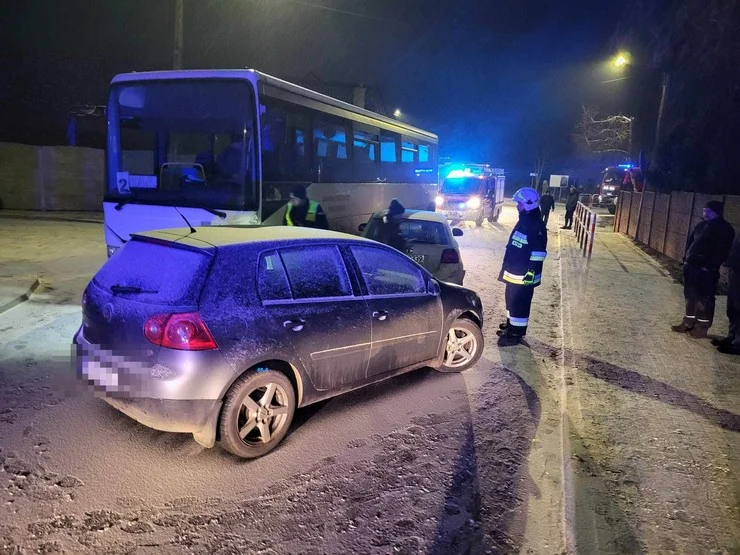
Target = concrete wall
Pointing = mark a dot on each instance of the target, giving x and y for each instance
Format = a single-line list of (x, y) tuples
[(51, 177), (666, 220)]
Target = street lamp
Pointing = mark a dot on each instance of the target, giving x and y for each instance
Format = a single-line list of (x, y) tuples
[(622, 59), (397, 113)]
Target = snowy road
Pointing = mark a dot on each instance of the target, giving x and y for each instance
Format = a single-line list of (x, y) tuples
[(425, 462)]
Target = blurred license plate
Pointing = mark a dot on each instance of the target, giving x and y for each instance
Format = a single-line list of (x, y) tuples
[(417, 257)]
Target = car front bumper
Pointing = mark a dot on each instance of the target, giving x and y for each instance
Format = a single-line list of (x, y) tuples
[(154, 395)]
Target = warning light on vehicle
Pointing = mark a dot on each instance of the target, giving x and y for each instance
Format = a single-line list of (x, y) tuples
[(459, 173)]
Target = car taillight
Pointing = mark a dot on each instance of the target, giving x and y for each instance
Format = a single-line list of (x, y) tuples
[(185, 332), (450, 256)]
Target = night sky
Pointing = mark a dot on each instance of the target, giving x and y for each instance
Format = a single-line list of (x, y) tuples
[(494, 79)]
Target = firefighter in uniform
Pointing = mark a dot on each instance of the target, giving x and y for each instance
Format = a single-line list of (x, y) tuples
[(706, 250), (303, 212), (522, 267)]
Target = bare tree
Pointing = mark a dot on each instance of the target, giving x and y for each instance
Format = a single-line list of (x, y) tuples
[(599, 135)]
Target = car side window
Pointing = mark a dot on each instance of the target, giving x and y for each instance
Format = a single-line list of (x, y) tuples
[(387, 272), (272, 283), (316, 272)]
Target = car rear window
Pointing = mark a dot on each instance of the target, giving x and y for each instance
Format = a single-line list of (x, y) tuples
[(416, 231), (157, 273)]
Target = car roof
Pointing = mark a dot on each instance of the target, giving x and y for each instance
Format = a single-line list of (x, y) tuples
[(425, 215), (220, 236)]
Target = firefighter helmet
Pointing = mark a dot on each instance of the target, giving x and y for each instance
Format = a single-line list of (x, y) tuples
[(528, 198)]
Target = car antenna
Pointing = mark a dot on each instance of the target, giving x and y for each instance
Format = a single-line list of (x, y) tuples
[(192, 229)]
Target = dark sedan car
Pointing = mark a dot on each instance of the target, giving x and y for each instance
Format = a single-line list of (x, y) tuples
[(224, 332)]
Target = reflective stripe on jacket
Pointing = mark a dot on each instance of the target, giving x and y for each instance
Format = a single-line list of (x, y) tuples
[(313, 209)]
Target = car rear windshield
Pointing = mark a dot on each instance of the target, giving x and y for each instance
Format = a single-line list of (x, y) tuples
[(156, 273), (414, 231)]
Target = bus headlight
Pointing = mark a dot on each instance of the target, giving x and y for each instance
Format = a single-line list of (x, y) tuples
[(474, 202), (440, 200)]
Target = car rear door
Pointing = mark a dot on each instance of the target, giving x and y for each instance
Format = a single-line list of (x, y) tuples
[(406, 319), (308, 300)]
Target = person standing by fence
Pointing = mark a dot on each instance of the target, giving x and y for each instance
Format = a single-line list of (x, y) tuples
[(547, 203), (706, 249), (731, 343), (570, 208)]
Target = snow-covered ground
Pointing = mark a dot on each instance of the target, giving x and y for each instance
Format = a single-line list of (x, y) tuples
[(425, 463)]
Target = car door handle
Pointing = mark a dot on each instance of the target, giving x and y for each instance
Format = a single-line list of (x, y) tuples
[(380, 315), (295, 325)]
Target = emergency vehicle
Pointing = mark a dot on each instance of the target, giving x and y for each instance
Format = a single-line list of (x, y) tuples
[(613, 180), (471, 192)]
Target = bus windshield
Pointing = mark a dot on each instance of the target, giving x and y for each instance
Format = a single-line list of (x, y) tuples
[(182, 143), (462, 186)]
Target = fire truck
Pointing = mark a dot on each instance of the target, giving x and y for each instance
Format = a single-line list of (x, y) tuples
[(471, 192), (615, 179)]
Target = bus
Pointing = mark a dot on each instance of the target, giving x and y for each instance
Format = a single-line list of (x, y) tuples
[(225, 147)]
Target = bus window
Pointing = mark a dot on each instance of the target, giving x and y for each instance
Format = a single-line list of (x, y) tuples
[(285, 157), (366, 159), (423, 153), (330, 143), (162, 151), (409, 152)]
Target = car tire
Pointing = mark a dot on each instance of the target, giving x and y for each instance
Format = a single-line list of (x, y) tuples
[(467, 348), (262, 401)]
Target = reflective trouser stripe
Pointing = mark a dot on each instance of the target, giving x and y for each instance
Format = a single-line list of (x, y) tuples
[(519, 321), (538, 256), (519, 280), (288, 219)]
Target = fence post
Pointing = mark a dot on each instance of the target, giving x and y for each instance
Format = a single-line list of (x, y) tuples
[(593, 236), (667, 221), (629, 214), (652, 219)]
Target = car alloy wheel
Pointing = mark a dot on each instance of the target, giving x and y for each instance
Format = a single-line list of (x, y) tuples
[(463, 346), (257, 413)]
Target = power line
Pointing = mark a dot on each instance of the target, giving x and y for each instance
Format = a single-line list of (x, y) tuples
[(345, 12)]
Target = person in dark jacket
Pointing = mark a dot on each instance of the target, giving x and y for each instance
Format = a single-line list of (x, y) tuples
[(390, 230), (731, 343), (547, 203), (522, 267), (706, 250), (570, 208), (304, 212)]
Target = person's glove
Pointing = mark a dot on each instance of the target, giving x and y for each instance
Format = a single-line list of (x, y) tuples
[(529, 278)]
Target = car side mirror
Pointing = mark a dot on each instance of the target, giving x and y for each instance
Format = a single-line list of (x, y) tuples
[(457, 232), (433, 287), (361, 227)]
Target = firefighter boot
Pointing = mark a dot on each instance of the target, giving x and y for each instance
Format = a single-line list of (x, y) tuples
[(686, 325), (508, 338), (504, 325), (699, 331)]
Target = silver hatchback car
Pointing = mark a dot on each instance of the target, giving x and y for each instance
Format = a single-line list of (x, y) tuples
[(225, 332), (430, 241)]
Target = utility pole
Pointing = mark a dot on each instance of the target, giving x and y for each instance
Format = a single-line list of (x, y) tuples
[(666, 80), (177, 54)]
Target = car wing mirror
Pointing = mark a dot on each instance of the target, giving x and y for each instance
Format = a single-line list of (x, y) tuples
[(457, 232), (361, 227), (433, 287)]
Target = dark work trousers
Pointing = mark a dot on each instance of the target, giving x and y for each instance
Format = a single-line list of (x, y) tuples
[(545, 216), (569, 218), (518, 303), (733, 306), (699, 287)]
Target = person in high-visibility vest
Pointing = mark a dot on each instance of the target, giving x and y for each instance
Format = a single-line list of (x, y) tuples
[(303, 212)]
